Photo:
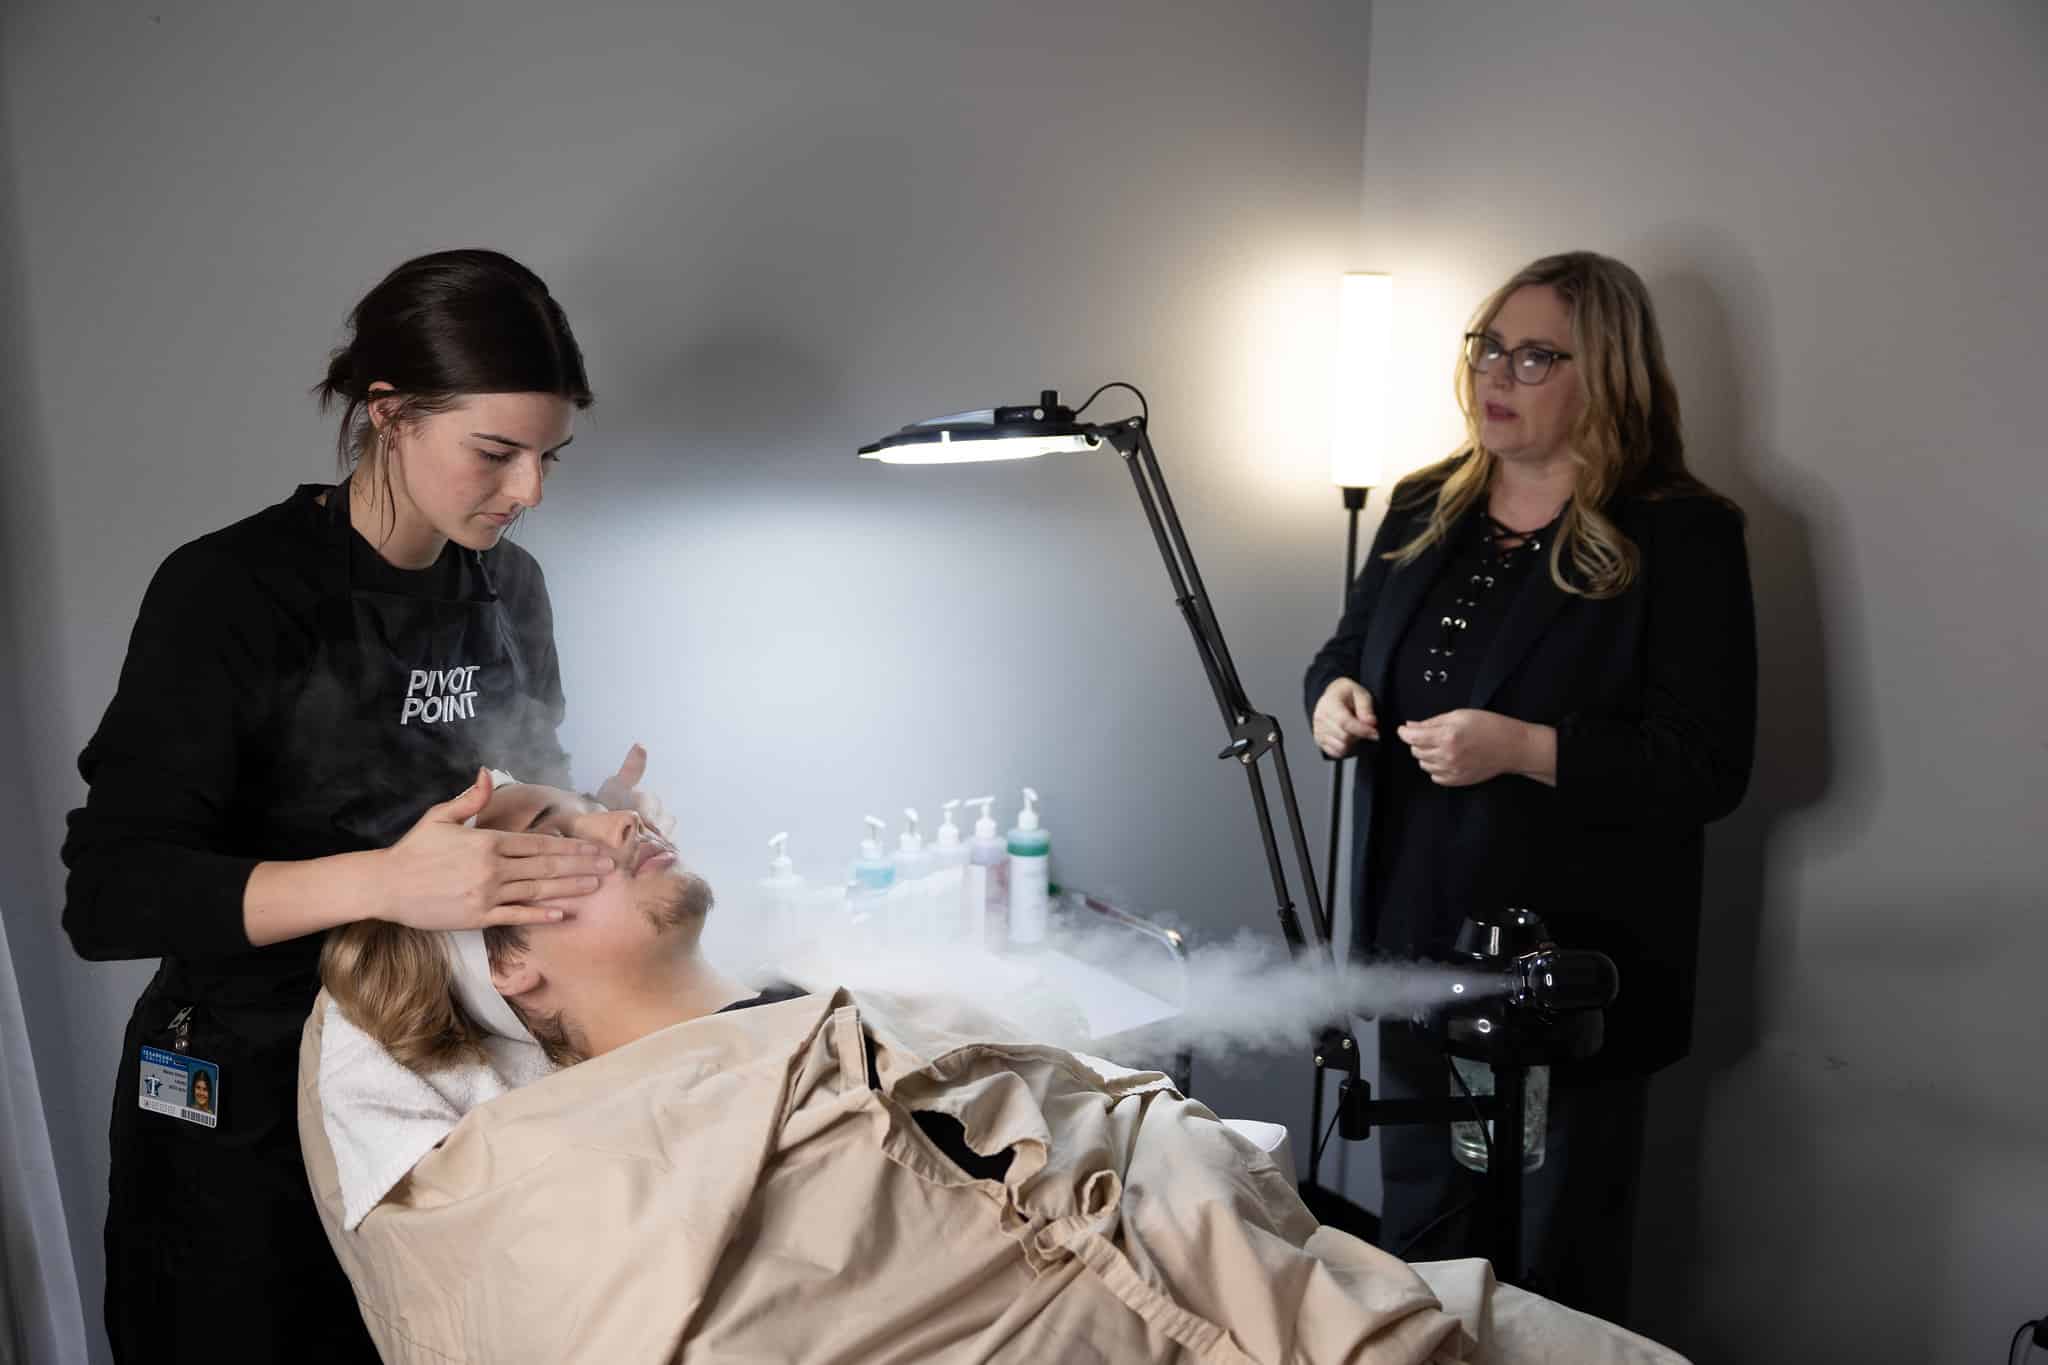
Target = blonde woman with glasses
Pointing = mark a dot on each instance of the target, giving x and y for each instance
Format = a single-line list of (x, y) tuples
[(1547, 671)]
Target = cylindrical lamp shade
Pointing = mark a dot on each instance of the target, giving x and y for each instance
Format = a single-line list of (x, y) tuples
[(1361, 429)]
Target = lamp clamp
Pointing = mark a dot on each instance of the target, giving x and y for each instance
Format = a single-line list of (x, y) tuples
[(1336, 1050), (1251, 738), (1127, 436)]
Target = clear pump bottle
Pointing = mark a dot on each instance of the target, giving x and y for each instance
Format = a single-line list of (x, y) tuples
[(910, 897), (948, 878), (867, 891), (985, 890), (782, 895)]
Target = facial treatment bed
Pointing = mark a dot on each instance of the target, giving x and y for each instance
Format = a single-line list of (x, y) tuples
[(751, 1186)]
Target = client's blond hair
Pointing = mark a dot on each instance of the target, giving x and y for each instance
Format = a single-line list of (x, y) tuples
[(394, 983)]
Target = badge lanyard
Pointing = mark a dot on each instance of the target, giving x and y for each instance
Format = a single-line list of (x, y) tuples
[(177, 1084)]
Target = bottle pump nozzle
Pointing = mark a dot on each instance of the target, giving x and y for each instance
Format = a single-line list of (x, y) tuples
[(871, 847), (781, 866), (1028, 817), (910, 841), (949, 833)]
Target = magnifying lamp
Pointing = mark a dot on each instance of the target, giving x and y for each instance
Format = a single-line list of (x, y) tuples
[(1047, 427)]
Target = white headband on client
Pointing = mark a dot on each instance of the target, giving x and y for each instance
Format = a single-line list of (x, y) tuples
[(470, 964)]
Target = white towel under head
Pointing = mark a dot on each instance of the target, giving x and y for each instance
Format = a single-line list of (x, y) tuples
[(382, 1116)]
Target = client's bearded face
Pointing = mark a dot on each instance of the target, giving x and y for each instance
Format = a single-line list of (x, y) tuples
[(647, 903)]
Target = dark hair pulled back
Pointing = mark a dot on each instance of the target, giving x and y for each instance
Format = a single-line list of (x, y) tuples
[(447, 325)]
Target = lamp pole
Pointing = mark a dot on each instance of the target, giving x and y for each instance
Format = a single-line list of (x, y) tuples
[(1335, 1042), (1354, 503)]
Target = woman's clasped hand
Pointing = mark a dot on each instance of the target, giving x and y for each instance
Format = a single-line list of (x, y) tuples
[(1460, 748), (1465, 747), (1343, 716)]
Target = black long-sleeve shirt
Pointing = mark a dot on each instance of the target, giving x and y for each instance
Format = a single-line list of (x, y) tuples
[(184, 769)]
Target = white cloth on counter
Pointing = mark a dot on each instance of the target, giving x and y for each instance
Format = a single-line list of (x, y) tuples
[(1046, 996), (381, 1116)]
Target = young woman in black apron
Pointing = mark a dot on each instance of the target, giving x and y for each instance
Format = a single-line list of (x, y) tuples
[(298, 688)]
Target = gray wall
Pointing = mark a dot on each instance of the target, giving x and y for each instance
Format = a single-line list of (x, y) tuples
[(1839, 209), (780, 232), (784, 233)]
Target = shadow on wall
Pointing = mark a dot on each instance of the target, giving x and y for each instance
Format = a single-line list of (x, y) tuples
[(1714, 313)]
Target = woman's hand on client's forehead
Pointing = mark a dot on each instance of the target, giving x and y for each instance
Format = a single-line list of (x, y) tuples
[(444, 876)]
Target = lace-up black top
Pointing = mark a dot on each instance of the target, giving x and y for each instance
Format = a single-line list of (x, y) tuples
[(1433, 670)]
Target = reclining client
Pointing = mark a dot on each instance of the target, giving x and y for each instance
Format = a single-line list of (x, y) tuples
[(703, 1171)]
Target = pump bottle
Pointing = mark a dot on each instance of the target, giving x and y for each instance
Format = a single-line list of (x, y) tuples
[(910, 897), (782, 896), (985, 889), (867, 891), (1030, 849), (947, 878)]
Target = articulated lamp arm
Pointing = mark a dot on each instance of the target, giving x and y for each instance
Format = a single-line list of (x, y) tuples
[(1253, 733)]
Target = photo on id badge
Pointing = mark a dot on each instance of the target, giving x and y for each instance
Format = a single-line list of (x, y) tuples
[(180, 1086)]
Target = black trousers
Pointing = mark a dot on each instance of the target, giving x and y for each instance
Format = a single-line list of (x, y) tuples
[(1578, 1209), (215, 1251)]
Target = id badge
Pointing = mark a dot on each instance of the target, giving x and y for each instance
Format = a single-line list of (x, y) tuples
[(180, 1086)]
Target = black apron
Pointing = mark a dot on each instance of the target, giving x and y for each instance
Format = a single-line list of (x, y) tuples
[(214, 1248)]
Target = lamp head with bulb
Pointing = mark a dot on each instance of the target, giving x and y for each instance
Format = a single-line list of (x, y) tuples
[(1022, 432)]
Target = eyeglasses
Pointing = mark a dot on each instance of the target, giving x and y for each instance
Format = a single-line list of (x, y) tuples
[(1530, 364)]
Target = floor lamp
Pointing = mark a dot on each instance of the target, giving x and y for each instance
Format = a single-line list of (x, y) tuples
[(1359, 462)]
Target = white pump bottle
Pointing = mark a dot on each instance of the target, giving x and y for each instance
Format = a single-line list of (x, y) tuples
[(910, 898), (782, 896), (985, 892), (948, 878)]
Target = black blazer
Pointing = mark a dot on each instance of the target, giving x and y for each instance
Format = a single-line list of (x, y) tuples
[(1653, 694)]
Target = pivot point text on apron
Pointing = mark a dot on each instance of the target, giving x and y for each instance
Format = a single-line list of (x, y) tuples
[(435, 695)]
